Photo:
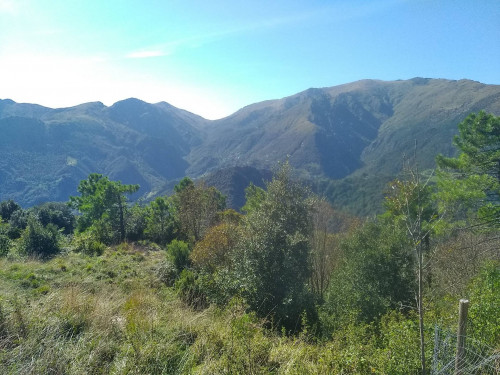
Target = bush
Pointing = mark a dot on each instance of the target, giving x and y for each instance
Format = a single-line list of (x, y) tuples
[(7, 208), (39, 240), (484, 309), (190, 290), (18, 222), (178, 252), (4, 244), (167, 273), (56, 213), (86, 244)]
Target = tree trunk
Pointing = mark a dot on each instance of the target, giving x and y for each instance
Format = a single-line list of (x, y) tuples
[(420, 306)]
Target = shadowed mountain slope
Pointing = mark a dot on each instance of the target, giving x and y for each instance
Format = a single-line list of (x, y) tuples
[(351, 138), (364, 126), (44, 153)]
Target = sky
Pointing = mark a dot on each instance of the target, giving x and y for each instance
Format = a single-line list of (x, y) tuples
[(215, 57)]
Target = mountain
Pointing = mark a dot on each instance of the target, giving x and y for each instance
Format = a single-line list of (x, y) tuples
[(44, 152), (359, 127), (349, 140)]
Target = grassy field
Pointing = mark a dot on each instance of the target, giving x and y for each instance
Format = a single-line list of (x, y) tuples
[(112, 314)]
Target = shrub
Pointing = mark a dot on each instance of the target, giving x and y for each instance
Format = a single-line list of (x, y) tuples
[(4, 244), (375, 276), (485, 304), (39, 240), (86, 244), (167, 273), (190, 290), (178, 252), (57, 213)]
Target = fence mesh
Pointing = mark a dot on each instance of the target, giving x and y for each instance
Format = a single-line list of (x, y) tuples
[(478, 358)]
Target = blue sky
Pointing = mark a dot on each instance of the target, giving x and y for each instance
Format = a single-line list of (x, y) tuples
[(214, 57)]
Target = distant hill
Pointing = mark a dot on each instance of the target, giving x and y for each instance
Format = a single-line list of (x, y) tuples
[(44, 152), (349, 140)]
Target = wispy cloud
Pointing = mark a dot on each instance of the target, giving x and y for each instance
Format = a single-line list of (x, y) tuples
[(144, 54), (202, 39)]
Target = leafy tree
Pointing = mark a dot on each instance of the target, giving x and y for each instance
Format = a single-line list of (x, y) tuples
[(18, 222), (273, 261), (183, 184), (215, 249), (56, 213), (254, 196), (197, 206), (161, 221), (103, 200), (136, 222), (7, 208), (229, 216), (470, 183), (375, 275)]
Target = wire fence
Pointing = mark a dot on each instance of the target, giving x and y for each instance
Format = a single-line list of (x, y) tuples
[(477, 358)]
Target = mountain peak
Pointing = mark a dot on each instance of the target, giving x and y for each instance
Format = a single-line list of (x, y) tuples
[(344, 132)]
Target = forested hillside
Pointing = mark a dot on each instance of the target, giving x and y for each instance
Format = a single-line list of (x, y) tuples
[(183, 285), (347, 141)]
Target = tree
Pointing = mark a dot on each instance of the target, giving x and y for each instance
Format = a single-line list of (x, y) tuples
[(103, 201), (7, 208), (254, 196), (323, 247), (161, 221), (410, 204), (273, 263), (329, 228), (216, 247), (470, 183), (136, 222), (196, 206), (57, 213), (374, 276), (18, 222)]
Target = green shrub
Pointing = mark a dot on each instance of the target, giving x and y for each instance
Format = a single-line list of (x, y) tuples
[(167, 273), (484, 309), (400, 342), (5, 243), (38, 240), (190, 290), (86, 244), (178, 252), (375, 277)]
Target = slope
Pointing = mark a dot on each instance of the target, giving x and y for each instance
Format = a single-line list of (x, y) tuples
[(44, 152)]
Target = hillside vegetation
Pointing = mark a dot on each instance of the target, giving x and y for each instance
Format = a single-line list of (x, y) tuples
[(352, 138), (182, 285)]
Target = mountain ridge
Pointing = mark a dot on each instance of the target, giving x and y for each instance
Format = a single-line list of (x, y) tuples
[(349, 131)]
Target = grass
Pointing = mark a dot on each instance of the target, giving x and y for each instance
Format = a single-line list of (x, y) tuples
[(112, 314)]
